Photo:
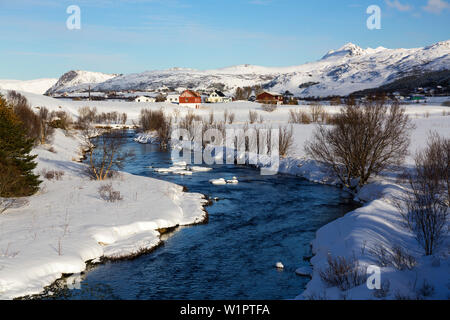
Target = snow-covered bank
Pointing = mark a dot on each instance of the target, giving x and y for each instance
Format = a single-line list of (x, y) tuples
[(377, 223), (67, 223)]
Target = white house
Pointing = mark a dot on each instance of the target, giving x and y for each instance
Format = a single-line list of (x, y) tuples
[(145, 99), (173, 98), (218, 97)]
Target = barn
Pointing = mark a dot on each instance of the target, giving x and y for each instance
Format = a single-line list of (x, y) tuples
[(190, 99)]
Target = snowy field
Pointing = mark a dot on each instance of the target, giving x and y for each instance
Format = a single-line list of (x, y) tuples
[(66, 224)]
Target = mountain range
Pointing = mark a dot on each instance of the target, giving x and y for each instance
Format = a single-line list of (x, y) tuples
[(340, 72)]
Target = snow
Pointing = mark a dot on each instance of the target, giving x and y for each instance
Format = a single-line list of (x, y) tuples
[(38, 86), (67, 224), (339, 72), (79, 80), (217, 182), (29, 236)]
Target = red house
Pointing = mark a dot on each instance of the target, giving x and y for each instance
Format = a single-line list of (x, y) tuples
[(190, 99), (269, 97)]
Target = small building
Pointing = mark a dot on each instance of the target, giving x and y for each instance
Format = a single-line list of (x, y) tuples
[(218, 97), (269, 97), (145, 99), (190, 99), (173, 98)]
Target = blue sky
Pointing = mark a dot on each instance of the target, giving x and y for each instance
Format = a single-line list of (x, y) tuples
[(138, 35)]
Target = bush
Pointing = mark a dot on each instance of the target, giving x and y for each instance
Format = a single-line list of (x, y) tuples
[(52, 175), (286, 137), (46, 129), (299, 117), (269, 107), (61, 120), (150, 120), (104, 152), (343, 273), (316, 111), (364, 140), (425, 206), (29, 120), (252, 116), (108, 194), (446, 103), (395, 257), (231, 118)]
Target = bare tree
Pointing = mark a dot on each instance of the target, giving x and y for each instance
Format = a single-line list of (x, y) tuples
[(426, 204), (364, 140), (46, 129), (252, 116), (29, 119), (104, 152), (316, 110), (286, 137)]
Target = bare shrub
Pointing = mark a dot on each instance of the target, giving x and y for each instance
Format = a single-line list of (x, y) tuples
[(104, 152), (365, 140), (46, 129), (151, 120), (252, 116), (165, 132), (336, 101), (60, 120), (269, 107), (286, 137), (446, 103), (343, 273), (299, 117), (383, 292), (107, 193), (52, 174), (395, 257), (231, 118), (190, 123), (425, 206), (30, 120), (211, 118), (316, 110), (426, 290)]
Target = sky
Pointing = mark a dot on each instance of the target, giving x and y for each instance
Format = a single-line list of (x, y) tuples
[(139, 35)]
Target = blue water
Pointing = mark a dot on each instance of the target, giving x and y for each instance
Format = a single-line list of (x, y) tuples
[(260, 221)]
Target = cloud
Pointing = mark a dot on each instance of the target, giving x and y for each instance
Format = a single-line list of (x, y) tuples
[(396, 4), (436, 6)]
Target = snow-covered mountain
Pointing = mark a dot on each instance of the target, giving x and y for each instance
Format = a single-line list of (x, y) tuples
[(77, 81), (38, 86), (339, 72)]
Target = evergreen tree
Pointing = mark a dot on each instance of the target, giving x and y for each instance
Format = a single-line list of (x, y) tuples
[(16, 163)]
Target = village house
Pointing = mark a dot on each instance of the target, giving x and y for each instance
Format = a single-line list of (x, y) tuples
[(173, 98), (145, 99), (269, 98), (218, 97), (190, 99)]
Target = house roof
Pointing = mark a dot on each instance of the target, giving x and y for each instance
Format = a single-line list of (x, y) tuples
[(219, 93), (193, 93), (275, 94)]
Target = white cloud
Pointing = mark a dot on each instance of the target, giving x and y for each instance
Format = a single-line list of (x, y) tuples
[(396, 4), (436, 6)]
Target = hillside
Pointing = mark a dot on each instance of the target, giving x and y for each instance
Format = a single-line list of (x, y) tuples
[(340, 72)]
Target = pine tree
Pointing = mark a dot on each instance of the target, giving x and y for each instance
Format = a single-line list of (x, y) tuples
[(16, 164)]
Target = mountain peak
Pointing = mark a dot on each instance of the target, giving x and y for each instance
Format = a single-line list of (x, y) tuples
[(350, 49)]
